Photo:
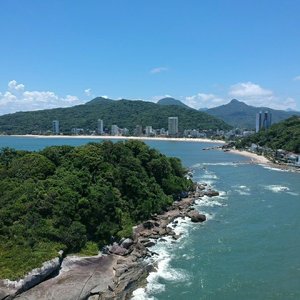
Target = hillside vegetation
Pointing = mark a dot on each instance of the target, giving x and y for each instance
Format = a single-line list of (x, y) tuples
[(124, 113), (239, 114), (78, 198), (284, 135)]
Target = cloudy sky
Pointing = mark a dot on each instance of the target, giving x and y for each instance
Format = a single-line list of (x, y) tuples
[(204, 53)]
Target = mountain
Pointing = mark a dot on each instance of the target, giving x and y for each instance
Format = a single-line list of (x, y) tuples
[(172, 101), (239, 114), (124, 113), (283, 135)]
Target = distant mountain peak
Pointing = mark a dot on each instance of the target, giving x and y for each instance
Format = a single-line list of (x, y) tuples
[(172, 101)]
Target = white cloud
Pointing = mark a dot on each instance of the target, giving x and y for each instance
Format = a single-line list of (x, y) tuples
[(249, 89), (297, 78), (255, 95), (88, 92), (157, 98), (17, 98), (158, 70), (202, 100)]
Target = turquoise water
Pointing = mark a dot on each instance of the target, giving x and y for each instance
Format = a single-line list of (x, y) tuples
[(250, 246)]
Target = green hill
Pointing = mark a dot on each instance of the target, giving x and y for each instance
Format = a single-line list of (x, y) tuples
[(172, 101), (284, 135), (124, 113), (239, 114), (77, 198)]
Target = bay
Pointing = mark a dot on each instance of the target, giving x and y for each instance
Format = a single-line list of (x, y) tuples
[(249, 246)]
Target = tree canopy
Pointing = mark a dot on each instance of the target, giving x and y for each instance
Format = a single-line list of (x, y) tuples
[(69, 198), (284, 135)]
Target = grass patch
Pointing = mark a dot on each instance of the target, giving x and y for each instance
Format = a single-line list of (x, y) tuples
[(90, 249), (17, 260)]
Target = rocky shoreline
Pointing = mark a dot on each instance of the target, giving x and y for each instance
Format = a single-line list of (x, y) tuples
[(121, 268)]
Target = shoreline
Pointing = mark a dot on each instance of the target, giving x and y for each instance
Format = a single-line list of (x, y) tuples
[(119, 137), (264, 161), (124, 266)]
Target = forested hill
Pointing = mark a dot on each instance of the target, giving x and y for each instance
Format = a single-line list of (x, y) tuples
[(284, 135), (124, 113), (239, 114), (77, 198)]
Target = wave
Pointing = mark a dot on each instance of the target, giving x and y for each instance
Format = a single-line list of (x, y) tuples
[(276, 188), (274, 168), (203, 165), (163, 269), (242, 190)]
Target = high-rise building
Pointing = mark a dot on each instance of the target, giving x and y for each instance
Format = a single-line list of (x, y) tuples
[(100, 126), (138, 131), (114, 130), (148, 130), (263, 120), (55, 127), (172, 126)]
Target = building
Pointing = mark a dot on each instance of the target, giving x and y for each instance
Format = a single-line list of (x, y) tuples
[(263, 120), (114, 130), (148, 131), (100, 126), (55, 127), (138, 131), (172, 126)]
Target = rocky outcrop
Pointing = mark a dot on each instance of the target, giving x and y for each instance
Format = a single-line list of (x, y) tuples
[(196, 217), (9, 289), (115, 274)]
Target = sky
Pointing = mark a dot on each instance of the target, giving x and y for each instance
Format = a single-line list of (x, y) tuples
[(62, 53)]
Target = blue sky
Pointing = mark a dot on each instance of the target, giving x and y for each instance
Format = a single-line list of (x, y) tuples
[(61, 53)]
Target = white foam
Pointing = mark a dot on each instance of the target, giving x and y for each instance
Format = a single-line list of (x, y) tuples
[(242, 190), (163, 271), (274, 169), (208, 202), (276, 188)]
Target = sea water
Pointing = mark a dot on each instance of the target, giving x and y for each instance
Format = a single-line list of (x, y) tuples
[(249, 247)]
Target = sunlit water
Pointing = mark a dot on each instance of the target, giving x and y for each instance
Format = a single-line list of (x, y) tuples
[(249, 248)]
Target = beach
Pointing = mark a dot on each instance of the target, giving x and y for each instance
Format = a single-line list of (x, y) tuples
[(255, 158), (119, 137)]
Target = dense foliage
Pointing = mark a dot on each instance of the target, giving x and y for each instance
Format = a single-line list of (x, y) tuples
[(74, 198), (124, 113), (284, 135), (241, 115)]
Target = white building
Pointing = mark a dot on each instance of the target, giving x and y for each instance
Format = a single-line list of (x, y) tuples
[(172, 126)]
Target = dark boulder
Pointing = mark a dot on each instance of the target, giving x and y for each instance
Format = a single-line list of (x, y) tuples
[(196, 217)]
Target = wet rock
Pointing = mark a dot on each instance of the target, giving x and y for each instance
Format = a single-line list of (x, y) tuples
[(149, 244), (127, 243), (196, 217), (211, 193)]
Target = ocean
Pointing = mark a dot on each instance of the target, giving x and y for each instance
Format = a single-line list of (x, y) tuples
[(249, 247)]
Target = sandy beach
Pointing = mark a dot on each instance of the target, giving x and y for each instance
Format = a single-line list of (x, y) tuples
[(118, 137), (255, 158)]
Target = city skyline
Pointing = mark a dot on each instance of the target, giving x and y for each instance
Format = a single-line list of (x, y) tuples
[(58, 54)]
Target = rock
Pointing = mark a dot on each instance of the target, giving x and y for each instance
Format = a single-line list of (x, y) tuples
[(33, 278), (196, 216), (127, 243), (118, 250), (211, 193), (148, 225), (162, 240), (149, 244)]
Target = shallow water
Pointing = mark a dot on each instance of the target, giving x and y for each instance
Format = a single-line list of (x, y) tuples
[(249, 246)]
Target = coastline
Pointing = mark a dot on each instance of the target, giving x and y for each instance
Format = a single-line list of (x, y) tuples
[(255, 158), (119, 137), (123, 267), (264, 161)]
